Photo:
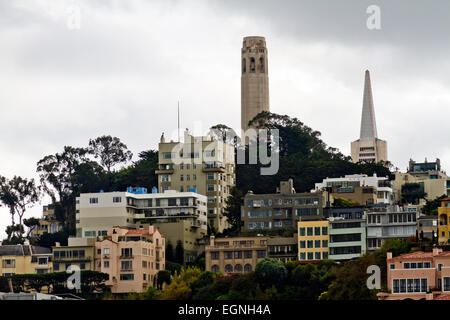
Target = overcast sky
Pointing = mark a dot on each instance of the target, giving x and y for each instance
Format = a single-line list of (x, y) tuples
[(123, 70)]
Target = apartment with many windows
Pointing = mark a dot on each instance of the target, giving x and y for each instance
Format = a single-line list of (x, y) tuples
[(203, 164), (281, 210), (418, 276), (444, 221), (313, 240), (180, 216), (131, 258), (24, 259)]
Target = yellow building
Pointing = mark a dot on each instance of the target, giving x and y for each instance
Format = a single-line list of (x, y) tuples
[(444, 220), (24, 259), (48, 223), (79, 252), (313, 238)]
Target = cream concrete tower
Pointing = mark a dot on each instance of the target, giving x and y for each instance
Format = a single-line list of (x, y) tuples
[(254, 80), (368, 147)]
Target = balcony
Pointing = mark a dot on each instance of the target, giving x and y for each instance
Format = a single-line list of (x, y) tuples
[(164, 171), (128, 256)]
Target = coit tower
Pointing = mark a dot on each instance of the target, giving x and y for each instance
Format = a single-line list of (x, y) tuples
[(254, 79)]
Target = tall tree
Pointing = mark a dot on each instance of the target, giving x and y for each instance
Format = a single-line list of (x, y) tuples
[(233, 208), (179, 252), (110, 150), (19, 194)]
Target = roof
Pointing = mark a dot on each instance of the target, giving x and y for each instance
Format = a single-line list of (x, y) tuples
[(22, 250), (133, 232), (446, 199), (421, 255)]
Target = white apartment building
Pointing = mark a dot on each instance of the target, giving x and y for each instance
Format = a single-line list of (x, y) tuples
[(382, 185)]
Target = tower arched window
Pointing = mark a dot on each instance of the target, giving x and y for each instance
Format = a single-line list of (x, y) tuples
[(252, 65), (248, 268), (244, 65), (228, 268), (262, 68), (215, 268), (238, 268)]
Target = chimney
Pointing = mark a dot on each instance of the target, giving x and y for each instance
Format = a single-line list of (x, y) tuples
[(388, 255), (436, 251), (211, 240), (57, 244)]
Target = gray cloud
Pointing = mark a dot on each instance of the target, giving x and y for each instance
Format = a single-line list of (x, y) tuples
[(123, 72)]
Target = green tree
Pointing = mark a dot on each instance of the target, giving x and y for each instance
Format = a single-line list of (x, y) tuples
[(31, 224), (412, 193), (233, 208), (110, 150), (179, 253), (431, 206), (269, 272), (163, 276), (18, 194), (169, 252)]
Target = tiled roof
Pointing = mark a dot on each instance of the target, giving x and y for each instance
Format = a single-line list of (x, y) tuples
[(143, 231), (414, 255)]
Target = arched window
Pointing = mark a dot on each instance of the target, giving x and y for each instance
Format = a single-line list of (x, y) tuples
[(238, 268), (248, 268), (261, 65), (228, 268), (244, 65), (215, 268), (252, 65)]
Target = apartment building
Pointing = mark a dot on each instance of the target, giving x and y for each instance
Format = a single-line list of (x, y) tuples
[(131, 258), (48, 223), (444, 221), (347, 238), (202, 164), (418, 276), (180, 216), (360, 188), (313, 240), (281, 210), (429, 175), (283, 248), (79, 252), (427, 226), (389, 222), (24, 259), (236, 254)]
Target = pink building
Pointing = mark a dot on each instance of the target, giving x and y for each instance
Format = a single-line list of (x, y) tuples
[(418, 276), (132, 258)]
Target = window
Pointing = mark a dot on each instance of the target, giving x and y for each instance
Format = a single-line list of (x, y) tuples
[(302, 256), (309, 231), (248, 254), (127, 252), (252, 65), (325, 255), (413, 265), (126, 276), (324, 231), (424, 285), (56, 266), (310, 244), (324, 243), (406, 265), (310, 256), (106, 251), (392, 266), (126, 265), (261, 253), (303, 244), (228, 268), (93, 200), (317, 231), (238, 254), (105, 264), (395, 287), (248, 268), (117, 199), (42, 261), (426, 265), (302, 232), (402, 285), (416, 285), (439, 267), (410, 285), (214, 255), (228, 254), (238, 268), (215, 268), (317, 254), (317, 244)]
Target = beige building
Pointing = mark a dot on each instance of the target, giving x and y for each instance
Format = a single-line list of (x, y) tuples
[(132, 258), (204, 165), (78, 252), (313, 240), (254, 79), (236, 254), (368, 147), (24, 259), (178, 215), (281, 210), (429, 175)]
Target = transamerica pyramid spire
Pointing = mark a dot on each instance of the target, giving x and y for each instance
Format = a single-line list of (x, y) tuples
[(368, 147), (368, 122)]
